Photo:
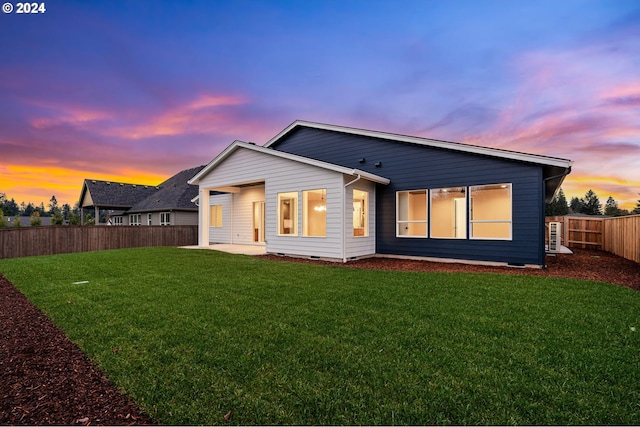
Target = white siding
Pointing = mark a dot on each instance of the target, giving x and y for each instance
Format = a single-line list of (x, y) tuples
[(280, 175), (360, 246), (221, 234), (243, 214)]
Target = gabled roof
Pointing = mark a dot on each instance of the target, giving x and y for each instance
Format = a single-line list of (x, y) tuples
[(281, 154), (455, 146), (109, 194), (554, 169), (174, 194)]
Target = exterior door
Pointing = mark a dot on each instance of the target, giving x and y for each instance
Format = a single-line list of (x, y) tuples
[(258, 222)]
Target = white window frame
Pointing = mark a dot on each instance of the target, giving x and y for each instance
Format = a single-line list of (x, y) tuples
[(149, 219), (400, 223), (491, 221), (165, 218), (134, 219), (321, 208), (451, 190), (363, 215), (293, 224), (117, 220)]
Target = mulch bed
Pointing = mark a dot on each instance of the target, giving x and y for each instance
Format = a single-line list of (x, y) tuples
[(582, 264), (46, 380)]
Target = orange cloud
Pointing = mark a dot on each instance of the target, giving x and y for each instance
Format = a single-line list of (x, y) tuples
[(623, 191), (37, 184)]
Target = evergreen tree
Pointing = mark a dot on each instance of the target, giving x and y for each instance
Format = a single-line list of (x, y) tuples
[(11, 208), (636, 210), (27, 210), (558, 206), (611, 208), (53, 205), (576, 205), (592, 204)]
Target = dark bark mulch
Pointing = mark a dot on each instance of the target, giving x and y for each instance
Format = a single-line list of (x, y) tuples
[(582, 264), (45, 379)]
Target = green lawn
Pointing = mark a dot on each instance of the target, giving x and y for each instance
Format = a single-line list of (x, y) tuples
[(200, 333)]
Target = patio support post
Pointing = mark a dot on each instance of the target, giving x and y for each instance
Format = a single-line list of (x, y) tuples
[(203, 217)]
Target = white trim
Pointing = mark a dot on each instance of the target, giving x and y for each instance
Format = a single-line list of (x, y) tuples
[(456, 146), (305, 160)]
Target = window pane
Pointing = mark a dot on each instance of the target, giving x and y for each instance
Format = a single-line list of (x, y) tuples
[(491, 202), (412, 213), (360, 213), (215, 217), (449, 213), (491, 211), (491, 230), (314, 213), (288, 213)]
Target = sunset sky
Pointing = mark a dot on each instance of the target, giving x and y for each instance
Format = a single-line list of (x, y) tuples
[(135, 91)]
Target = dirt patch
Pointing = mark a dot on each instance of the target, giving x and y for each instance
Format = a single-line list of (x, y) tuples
[(582, 264), (46, 380)]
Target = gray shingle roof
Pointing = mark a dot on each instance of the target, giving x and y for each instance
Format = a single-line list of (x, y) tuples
[(109, 194), (174, 194)]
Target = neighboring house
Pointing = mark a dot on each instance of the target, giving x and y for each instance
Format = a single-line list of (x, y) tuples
[(169, 203), (25, 221), (334, 192)]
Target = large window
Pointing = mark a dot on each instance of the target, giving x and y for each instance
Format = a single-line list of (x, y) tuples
[(165, 218), (360, 213), (411, 213), (314, 213), (134, 219), (288, 214), (449, 213), (215, 217), (490, 211)]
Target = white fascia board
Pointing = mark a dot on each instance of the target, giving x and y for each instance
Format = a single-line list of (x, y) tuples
[(455, 146), (324, 165)]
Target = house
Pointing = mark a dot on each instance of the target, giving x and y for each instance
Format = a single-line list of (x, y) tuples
[(326, 191), (25, 221), (169, 203)]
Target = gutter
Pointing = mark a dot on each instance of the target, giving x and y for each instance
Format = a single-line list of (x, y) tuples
[(344, 203)]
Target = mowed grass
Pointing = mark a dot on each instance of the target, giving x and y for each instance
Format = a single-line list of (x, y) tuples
[(202, 333)]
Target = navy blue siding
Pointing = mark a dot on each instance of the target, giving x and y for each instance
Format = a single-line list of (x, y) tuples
[(410, 166)]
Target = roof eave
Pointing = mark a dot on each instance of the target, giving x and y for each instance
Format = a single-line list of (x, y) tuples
[(474, 149)]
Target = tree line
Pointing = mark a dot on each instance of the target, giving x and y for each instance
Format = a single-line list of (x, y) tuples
[(588, 205), (64, 214)]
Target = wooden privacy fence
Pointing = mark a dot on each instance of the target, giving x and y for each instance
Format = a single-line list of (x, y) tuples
[(618, 235), (31, 241), (622, 236)]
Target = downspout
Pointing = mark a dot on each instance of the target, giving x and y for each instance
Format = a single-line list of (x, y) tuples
[(544, 213), (344, 204)]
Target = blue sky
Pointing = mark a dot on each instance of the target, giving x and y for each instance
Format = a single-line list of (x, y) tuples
[(135, 91)]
